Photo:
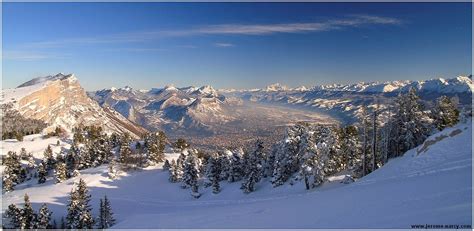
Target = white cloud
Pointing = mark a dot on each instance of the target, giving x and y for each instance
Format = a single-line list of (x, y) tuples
[(350, 21), (28, 56), (224, 44)]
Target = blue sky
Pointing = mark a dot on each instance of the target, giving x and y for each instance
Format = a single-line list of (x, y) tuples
[(234, 45)]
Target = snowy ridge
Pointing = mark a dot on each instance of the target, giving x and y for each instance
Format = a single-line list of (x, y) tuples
[(166, 108)]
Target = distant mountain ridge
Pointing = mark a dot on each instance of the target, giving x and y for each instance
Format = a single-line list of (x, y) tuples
[(460, 84), (167, 108)]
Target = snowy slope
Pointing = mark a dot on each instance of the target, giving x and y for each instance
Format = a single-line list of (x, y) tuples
[(428, 185)]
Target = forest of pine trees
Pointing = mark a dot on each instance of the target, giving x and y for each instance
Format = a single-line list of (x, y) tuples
[(310, 152), (79, 213)]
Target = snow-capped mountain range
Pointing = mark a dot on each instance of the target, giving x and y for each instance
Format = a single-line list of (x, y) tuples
[(460, 84), (345, 101), (167, 108), (59, 100)]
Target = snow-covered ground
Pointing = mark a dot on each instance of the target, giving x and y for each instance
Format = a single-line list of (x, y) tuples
[(429, 187)]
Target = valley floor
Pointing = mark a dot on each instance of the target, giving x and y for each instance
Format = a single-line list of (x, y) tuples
[(432, 187)]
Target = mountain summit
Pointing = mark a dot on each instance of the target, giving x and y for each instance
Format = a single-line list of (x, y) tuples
[(60, 101)]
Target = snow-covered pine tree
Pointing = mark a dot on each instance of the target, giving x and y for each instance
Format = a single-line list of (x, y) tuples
[(286, 155), (85, 157), (23, 154), (125, 151), (156, 147), (236, 166), (411, 121), (8, 183), (12, 173), (180, 145), (213, 174), (106, 219), (79, 211), (308, 155), (112, 170), (44, 218), (190, 175), (31, 162), (72, 160), (173, 171), (181, 159), (60, 172), (223, 165), (13, 214), (445, 112), (254, 167), (48, 158), (28, 215), (349, 147), (42, 173)]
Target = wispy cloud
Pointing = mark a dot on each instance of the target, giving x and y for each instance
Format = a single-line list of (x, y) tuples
[(29, 55), (145, 49), (350, 21), (224, 44)]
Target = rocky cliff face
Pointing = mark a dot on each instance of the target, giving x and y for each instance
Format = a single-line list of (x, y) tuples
[(60, 101)]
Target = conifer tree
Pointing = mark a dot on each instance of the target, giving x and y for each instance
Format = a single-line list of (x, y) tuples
[(12, 173), (445, 113), (60, 172), (79, 211), (42, 173), (106, 219), (13, 213), (190, 175), (8, 183), (173, 170), (44, 218), (28, 215), (213, 174), (48, 158), (156, 147), (72, 160), (254, 167), (125, 151), (236, 166)]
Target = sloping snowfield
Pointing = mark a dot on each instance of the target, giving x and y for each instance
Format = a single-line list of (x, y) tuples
[(432, 186)]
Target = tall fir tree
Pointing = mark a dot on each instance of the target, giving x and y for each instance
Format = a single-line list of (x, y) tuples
[(42, 173), (254, 167), (44, 218), (28, 215), (156, 147), (106, 219), (13, 214), (190, 175), (60, 172), (48, 158), (79, 211), (445, 112), (213, 174)]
